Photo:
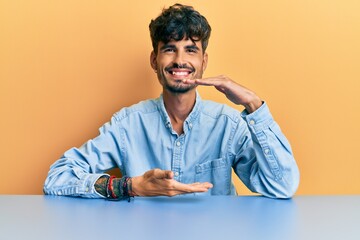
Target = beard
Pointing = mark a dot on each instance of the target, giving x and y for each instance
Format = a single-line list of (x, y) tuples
[(176, 86)]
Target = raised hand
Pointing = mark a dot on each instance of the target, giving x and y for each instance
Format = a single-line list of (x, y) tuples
[(233, 91)]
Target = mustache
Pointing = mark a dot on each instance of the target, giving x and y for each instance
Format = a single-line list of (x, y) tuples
[(182, 66)]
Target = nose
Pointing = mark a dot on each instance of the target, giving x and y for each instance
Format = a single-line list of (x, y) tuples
[(179, 58)]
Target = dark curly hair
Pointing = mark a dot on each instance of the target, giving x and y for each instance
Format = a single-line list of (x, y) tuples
[(178, 22)]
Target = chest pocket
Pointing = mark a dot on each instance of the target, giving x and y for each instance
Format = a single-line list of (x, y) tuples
[(217, 172)]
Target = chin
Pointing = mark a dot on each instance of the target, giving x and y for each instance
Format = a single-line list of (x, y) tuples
[(180, 89)]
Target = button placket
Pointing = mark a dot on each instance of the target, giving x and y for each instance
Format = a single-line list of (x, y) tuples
[(177, 155)]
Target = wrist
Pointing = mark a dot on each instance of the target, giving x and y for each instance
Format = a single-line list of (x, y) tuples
[(136, 185), (121, 188), (101, 185), (130, 189), (253, 105)]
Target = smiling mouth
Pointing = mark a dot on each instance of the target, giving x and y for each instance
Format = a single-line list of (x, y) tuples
[(180, 72)]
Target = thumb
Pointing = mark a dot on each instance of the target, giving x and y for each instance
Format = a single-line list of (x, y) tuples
[(158, 173)]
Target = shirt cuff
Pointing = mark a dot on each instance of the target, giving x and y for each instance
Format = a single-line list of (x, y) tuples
[(89, 191), (260, 119)]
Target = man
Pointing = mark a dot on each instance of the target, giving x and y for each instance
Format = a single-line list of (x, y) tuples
[(179, 143)]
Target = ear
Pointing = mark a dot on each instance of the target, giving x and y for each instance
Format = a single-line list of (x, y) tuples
[(153, 62), (205, 61)]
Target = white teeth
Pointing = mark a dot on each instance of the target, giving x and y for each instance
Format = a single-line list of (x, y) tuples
[(180, 73)]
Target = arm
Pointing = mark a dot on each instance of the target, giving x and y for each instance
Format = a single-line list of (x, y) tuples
[(76, 172), (155, 182), (80, 172), (264, 160), (233, 91)]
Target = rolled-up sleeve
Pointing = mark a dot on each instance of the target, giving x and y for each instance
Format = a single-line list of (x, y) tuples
[(76, 172), (264, 160)]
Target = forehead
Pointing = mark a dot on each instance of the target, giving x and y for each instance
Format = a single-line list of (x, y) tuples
[(183, 43)]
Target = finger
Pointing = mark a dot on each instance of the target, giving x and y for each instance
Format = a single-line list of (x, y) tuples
[(195, 183), (203, 81), (191, 188), (160, 174), (169, 174), (189, 81), (205, 184), (220, 89), (211, 81)]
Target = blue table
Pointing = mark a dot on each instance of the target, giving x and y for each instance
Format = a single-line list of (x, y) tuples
[(186, 217)]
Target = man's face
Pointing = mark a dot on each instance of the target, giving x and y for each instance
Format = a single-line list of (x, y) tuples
[(178, 60)]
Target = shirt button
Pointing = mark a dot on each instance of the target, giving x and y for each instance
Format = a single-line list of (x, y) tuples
[(178, 144), (190, 125), (86, 189), (251, 122), (59, 193), (176, 174), (267, 151)]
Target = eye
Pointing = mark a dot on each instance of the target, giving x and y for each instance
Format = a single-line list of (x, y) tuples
[(169, 50), (192, 50)]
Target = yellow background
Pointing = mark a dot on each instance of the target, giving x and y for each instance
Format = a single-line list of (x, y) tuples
[(67, 66)]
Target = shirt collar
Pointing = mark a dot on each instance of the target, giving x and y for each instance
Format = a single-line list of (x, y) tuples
[(189, 121)]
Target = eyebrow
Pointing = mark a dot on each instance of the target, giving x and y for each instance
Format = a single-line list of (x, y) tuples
[(172, 46), (192, 47), (165, 46)]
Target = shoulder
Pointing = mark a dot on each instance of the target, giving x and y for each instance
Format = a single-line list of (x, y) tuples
[(218, 110), (140, 108)]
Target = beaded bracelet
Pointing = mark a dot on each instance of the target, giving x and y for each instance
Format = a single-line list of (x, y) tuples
[(128, 187), (125, 189), (107, 187), (110, 187), (125, 186)]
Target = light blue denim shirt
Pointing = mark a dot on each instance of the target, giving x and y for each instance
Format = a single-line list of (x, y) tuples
[(216, 139)]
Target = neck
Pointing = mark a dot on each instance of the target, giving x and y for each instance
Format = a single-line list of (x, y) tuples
[(178, 106)]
